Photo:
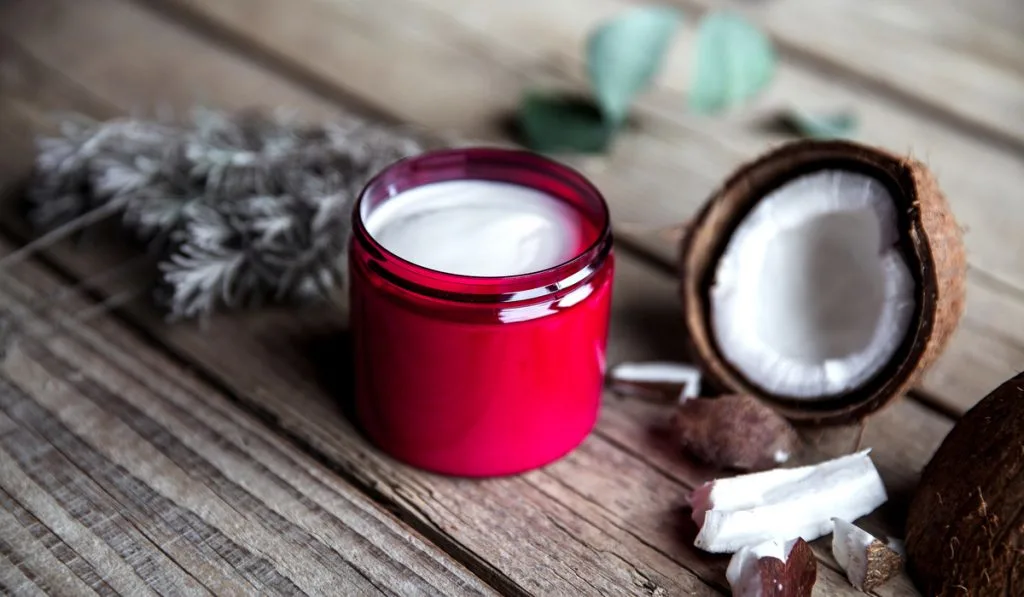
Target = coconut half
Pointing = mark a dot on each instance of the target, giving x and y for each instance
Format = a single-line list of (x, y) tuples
[(823, 278)]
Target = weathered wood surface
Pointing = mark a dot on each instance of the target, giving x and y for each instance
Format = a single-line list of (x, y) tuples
[(609, 518), (460, 66), (121, 473)]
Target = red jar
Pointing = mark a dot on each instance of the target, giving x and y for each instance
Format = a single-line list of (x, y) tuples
[(480, 376)]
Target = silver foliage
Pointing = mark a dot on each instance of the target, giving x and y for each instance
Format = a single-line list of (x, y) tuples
[(241, 209)]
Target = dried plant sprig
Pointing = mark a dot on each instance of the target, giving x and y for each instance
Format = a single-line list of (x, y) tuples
[(242, 209)]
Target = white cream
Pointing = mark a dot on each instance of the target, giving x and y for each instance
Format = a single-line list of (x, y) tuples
[(477, 228)]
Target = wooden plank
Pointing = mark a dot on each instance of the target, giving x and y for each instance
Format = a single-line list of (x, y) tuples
[(13, 581), (288, 388), (663, 171), (102, 451), (61, 565), (961, 60)]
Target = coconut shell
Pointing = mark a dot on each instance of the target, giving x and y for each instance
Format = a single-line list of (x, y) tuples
[(932, 248), (793, 578), (965, 528), (883, 564)]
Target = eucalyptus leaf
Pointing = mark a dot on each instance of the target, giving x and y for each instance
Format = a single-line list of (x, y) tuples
[(734, 61), (554, 123), (625, 53), (834, 125)]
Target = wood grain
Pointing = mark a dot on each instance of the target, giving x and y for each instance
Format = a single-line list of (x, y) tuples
[(115, 478), (659, 173)]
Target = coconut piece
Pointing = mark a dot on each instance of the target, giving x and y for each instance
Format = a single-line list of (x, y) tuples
[(823, 278), (784, 503), (868, 561), (656, 380), (965, 526), (773, 569), (735, 432)]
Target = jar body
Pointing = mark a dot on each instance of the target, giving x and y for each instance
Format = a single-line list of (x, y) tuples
[(497, 392), (480, 376)]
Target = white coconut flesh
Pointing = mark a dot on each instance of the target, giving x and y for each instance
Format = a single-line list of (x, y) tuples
[(812, 296)]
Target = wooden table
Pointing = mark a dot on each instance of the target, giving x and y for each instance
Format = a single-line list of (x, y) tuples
[(141, 457)]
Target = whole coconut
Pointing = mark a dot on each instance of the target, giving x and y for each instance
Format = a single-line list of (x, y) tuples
[(965, 530)]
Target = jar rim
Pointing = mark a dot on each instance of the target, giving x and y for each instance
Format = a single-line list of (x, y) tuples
[(472, 163)]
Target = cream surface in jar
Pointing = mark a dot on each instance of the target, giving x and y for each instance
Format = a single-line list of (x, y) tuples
[(478, 228)]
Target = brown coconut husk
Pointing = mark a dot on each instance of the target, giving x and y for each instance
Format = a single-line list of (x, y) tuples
[(793, 578), (965, 528), (735, 432), (932, 248)]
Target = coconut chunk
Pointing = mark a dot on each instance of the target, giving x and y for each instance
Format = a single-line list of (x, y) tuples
[(735, 432), (812, 296), (784, 503), (773, 569), (868, 562), (656, 379)]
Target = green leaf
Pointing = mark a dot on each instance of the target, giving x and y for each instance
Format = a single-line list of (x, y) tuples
[(835, 125), (734, 61), (551, 123), (625, 53)]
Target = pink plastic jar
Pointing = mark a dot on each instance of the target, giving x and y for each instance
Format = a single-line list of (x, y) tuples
[(480, 376)]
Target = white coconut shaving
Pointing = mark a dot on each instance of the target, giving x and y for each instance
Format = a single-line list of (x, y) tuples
[(850, 548), (687, 377), (812, 296), (782, 504)]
